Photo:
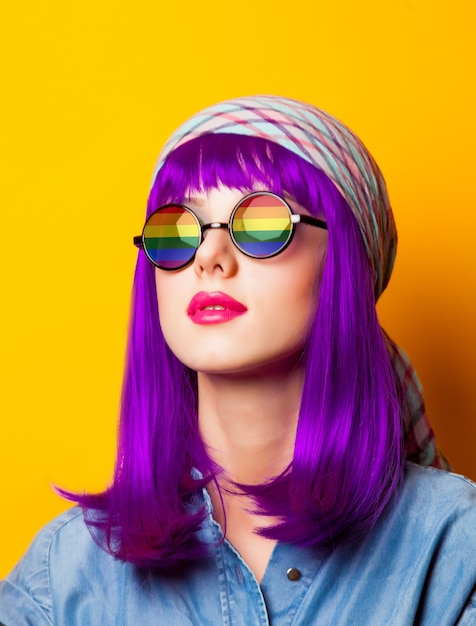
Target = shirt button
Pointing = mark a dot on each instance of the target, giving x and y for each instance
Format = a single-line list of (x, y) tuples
[(293, 574)]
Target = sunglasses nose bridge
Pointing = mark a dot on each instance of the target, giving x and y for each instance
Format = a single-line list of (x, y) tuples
[(211, 226)]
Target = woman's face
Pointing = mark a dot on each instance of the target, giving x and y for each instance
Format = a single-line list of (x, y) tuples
[(231, 314)]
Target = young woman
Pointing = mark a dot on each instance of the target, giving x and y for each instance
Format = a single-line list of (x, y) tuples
[(272, 436)]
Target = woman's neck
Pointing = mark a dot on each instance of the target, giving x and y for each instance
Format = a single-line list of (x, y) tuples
[(248, 422)]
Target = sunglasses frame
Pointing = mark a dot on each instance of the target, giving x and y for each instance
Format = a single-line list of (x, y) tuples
[(295, 218)]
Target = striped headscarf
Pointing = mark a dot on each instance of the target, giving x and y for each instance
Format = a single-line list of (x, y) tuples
[(329, 145)]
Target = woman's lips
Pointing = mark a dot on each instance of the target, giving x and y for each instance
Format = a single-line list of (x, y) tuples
[(214, 308)]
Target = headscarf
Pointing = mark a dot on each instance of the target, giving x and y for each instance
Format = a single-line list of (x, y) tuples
[(329, 145)]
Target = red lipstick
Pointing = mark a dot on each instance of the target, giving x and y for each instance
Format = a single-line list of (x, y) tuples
[(214, 308)]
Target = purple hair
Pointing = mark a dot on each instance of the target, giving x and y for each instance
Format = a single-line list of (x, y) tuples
[(348, 456)]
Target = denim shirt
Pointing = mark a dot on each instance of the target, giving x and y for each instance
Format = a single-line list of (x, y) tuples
[(417, 566)]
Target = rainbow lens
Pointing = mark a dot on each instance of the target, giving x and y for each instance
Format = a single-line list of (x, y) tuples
[(261, 225), (171, 237)]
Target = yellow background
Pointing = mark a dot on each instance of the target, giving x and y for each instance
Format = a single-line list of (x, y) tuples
[(91, 91)]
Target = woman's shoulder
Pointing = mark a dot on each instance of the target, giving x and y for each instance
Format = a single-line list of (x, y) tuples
[(61, 557), (68, 529), (438, 488), (70, 521), (429, 536), (437, 502), (62, 538)]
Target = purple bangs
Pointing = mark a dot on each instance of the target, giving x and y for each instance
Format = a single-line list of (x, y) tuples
[(237, 162), (348, 460)]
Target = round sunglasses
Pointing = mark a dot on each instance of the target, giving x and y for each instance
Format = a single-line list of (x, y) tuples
[(261, 226)]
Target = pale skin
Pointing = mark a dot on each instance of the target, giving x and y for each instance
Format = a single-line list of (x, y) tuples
[(249, 368)]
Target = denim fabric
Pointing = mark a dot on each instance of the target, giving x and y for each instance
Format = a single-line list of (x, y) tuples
[(417, 566)]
